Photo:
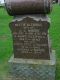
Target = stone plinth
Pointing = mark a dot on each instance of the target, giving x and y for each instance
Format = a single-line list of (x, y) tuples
[(32, 69), (19, 7)]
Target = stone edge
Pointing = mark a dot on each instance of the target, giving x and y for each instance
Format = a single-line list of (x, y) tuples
[(52, 60)]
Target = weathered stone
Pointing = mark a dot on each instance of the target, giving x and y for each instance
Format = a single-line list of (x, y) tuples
[(30, 37), (28, 6), (32, 69)]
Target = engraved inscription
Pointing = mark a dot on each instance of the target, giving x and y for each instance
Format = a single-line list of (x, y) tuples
[(30, 39)]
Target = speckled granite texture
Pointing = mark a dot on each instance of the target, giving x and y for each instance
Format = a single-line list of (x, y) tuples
[(32, 69)]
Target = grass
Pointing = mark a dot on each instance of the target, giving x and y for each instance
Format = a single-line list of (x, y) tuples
[(5, 40), (55, 29), (6, 49), (5, 35)]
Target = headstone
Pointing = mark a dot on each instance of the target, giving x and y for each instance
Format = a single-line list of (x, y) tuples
[(30, 38), (59, 2), (55, 1), (19, 7), (33, 58)]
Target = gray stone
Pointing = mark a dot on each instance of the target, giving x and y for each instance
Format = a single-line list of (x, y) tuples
[(59, 2), (32, 69), (19, 7), (30, 37)]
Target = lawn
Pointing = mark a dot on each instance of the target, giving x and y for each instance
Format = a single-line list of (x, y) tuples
[(6, 49)]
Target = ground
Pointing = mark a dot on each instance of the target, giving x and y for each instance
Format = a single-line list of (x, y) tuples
[(6, 48)]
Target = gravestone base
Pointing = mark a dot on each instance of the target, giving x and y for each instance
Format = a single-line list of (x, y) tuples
[(59, 2), (32, 69)]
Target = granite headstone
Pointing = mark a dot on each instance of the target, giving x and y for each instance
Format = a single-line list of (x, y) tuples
[(30, 38), (33, 58)]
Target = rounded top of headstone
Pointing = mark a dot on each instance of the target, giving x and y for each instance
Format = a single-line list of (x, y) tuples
[(19, 7)]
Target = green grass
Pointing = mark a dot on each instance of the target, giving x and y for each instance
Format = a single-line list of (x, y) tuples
[(5, 40), (5, 35), (6, 49), (55, 29), (55, 36)]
